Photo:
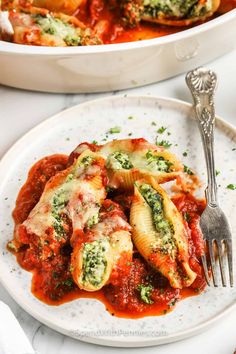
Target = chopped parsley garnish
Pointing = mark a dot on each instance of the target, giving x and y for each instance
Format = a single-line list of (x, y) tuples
[(130, 117), (145, 293), (172, 303), (165, 143), (94, 142), (130, 134), (68, 282), (115, 130), (234, 149), (55, 274), (231, 186), (217, 172), (154, 124), (188, 170), (161, 130), (185, 153)]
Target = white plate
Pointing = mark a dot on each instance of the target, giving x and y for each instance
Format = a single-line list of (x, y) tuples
[(87, 319)]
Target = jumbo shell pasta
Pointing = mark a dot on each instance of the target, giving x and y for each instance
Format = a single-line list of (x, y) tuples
[(96, 256), (159, 234), (131, 159), (70, 200), (177, 13)]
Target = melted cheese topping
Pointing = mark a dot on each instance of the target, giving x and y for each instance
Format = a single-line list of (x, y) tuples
[(71, 194)]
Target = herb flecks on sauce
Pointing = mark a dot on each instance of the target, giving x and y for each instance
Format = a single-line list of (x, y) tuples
[(158, 162), (94, 261), (145, 293), (165, 242)]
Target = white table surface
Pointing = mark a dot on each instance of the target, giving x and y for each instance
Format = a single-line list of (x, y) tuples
[(21, 110)]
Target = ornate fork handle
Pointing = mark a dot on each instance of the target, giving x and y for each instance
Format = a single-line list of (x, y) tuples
[(202, 84)]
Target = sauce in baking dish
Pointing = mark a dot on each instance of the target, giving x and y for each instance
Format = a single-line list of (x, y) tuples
[(114, 32), (103, 21)]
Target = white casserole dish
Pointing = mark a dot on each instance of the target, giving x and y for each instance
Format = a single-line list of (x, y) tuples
[(115, 66)]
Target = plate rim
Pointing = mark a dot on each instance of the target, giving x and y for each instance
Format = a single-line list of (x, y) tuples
[(118, 342)]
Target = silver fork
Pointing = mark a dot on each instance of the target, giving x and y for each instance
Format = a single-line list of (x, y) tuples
[(213, 222)]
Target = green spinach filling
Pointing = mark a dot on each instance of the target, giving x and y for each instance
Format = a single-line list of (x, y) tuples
[(164, 228), (94, 261), (119, 160), (57, 27), (61, 197), (158, 163), (59, 201), (175, 8), (93, 220)]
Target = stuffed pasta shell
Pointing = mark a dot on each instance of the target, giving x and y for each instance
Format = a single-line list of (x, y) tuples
[(104, 247), (35, 26), (70, 201), (169, 12), (131, 159), (159, 233)]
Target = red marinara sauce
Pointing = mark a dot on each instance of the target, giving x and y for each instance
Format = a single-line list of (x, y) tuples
[(52, 282)]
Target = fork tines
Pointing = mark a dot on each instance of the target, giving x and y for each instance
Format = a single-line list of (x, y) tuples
[(217, 250)]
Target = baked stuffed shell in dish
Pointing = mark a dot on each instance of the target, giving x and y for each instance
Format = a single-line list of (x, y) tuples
[(97, 223), (159, 233), (52, 30), (37, 26), (178, 12)]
